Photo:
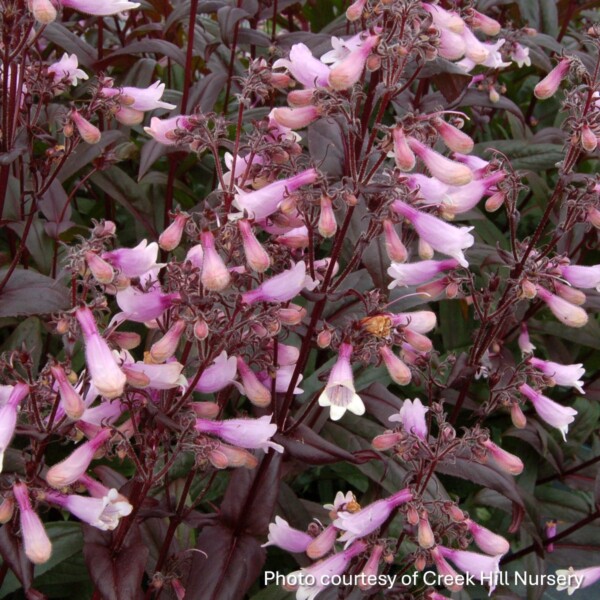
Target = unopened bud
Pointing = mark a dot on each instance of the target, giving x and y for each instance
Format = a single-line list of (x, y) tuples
[(518, 418), (200, 329), (324, 338)]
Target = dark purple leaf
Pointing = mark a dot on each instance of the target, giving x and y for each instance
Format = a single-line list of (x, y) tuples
[(150, 46), (229, 17), (73, 44), (13, 553), (30, 293)]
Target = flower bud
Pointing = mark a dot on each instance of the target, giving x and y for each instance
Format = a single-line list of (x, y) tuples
[(256, 256), (397, 370), (89, 133), (327, 222), (442, 168), (101, 270), (170, 238), (454, 138), (425, 534), (206, 410), (296, 118), (403, 155), (593, 217), (386, 441), (570, 294), (200, 329), (215, 275), (127, 340), (417, 340), (166, 347), (495, 201), (564, 311), (548, 86), (43, 11), (292, 315), (528, 289), (395, 249), (7, 508), (355, 10), (505, 460), (323, 543), (38, 547), (137, 379), (255, 391), (425, 250), (518, 418), (371, 568), (589, 142), (324, 338), (485, 24), (70, 400), (298, 98)]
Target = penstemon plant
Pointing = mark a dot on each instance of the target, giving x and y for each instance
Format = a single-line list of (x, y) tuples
[(298, 299)]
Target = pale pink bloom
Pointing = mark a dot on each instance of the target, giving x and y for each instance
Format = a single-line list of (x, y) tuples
[(218, 375), (431, 190), (43, 11), (371, 568), (255, 391), (327, 224), (505, 460), (340, 502), (553, 413), (476, 164), (262, 203), (66, 69), (486, 24), (397, 369), (355, 10), (450, 577), (304, 67), (425, 535), (101, 9), (99, 490), (577, 579), (215, 274), (444, 169), (405, 274), (298, 98), (475, 50), (141, 99), (106, 376), (257, 257), (480, 566), (520, 55), (341, 48), (493, 58), (567, 313), (70, 469), (286, 537), (101, 513), (286, 354), (445, 19), (38, 547), (412, 417), (70, 400), (525, 344), (548, 86), (170, 238), (463, 198), (339, 393), (348, 71), (403, 155), (89, 133), (195, 255), (166, 347), (442, 237), (294, 238), (365, 521), (296, 118), (142, 307), (489, 542), (246, 433), (163, 130), (421, 321), (242, 164), (104, 414), (454, 138), (165, 376), (134, 262), (282, 287), (129, 116), (451, 45), (283, 379), (8, 416), (581, 276), (566, 375), (321, 572), (395, 249), (323, 543)]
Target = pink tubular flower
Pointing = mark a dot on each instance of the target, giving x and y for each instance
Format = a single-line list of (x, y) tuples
[(8, 417), (449, 576), (371, 568), (100, 269), (323, 543), (304, 67), (215, 274), (140, 307), (553, 413), (348, 71), (439, 166), (421, 321), (487, 541), (38, 547), (66, 69), (520, 55), (525, 344), (454, 138), (548, 86), (486, 24), (321, 572), (339, 393), (106, 376), (444, 19), (164, 130), (262, 203), (566, 375), (89, 133), (70, 469), (442, 237), (567, 313), (166, 347), (405, 274), (582, 277), (296, 118), (100, 9), (480, 566), (461, 199), (70, 400), (403, 155), (283, 379), (43, 11), (255, 391), (219, 375), (170, 238), (412, 416), (573, 580), (158, 377), (451, 45), (282, 287), (141, 99), (103, 513), (397, 369), (246, 433), (286, 537), (365, 521), (257, 257), (395, 249), (134, 262), (505, 460)]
